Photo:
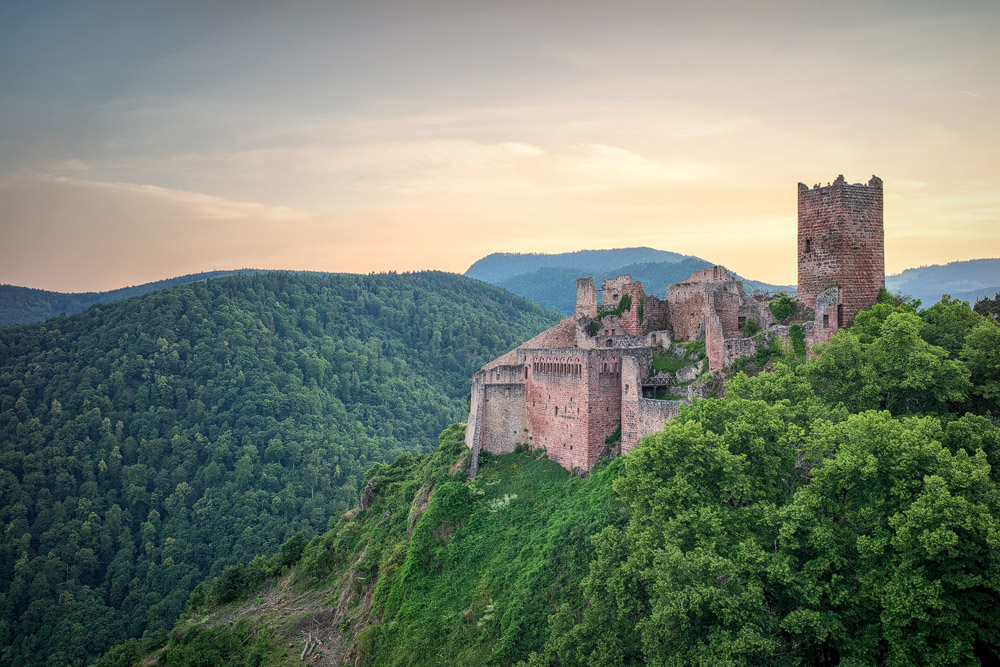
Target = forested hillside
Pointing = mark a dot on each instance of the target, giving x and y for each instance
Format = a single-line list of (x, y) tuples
[(23, 305), (969, 280), (151, 442), (840, 510)]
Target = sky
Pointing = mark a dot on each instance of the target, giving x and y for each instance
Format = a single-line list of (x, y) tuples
[(142, 140)]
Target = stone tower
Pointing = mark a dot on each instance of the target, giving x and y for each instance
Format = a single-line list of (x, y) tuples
[(841, 242)]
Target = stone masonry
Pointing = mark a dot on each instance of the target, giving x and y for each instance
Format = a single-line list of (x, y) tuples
[(571, 388), (841, 243)]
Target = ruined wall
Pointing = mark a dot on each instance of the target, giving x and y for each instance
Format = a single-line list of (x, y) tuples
[(497, 420), (612, 333), (715, 340), (654, 414), (630, 318), (841, 242), (726, 299), (711, 274), (736, 348), (586, 298), (687, 309), (604, 399), (655, 315), (829, 309), (611, 290), (631, 391), (505, 423), (556, 403)]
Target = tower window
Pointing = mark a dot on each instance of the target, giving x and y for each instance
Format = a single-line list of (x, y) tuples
[(826, 321), (808, 245)]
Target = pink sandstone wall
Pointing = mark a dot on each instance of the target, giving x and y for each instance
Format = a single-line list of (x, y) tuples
[(630, 318), (631, 392)]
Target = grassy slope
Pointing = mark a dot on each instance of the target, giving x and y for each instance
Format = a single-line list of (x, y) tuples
[(436, 569)]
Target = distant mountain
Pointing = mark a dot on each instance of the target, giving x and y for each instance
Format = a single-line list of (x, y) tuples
[(552, 283), (24, 305), (970, 281), (501, 266)]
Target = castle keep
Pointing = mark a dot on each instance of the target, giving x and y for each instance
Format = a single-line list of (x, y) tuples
[(604, 377)]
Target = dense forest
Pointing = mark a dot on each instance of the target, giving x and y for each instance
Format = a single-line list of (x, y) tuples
[(839, 510), (152, 442), (24, 305)]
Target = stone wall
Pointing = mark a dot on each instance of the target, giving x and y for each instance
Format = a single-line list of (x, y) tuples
[(653, 415), (631, 392), (686, 302), (586, 298), (604, 399), (829, 309), (572, 401), (655, 315), (505, 424), (630, 318), (715, 340), (841, 242), (611, 290)]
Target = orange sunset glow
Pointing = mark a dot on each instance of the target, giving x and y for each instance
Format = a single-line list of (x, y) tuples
[(142, 143)]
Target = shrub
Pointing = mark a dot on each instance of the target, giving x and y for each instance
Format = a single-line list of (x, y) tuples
[(783, 308)]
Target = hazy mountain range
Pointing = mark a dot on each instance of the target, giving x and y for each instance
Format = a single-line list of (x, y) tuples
[(550, 280), (547, 279)]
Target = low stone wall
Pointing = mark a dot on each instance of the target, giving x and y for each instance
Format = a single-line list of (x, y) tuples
[(653, 414), (505, 423)]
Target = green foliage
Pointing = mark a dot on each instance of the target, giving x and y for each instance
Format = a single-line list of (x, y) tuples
[(23, 305), (751, 327), (988, 307), (907, 579), (615, 437), (783, 308), (642, 308), (664, 362), (797, 336), (222, 646), (903, 301), (624, 303), (149, 444), (948, 322), (981, 354), (889, 366)]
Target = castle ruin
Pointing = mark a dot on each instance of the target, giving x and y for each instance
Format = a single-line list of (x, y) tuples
[(589, 385)]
